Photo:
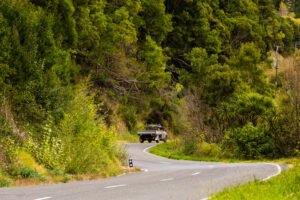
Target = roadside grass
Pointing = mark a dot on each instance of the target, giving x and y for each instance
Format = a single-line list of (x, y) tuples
[(170, 150), (29, 172), (127, 137), (60, 178), (285, 186), (167, 150)]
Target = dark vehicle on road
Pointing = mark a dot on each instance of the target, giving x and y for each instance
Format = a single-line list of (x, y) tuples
[(153, 132)]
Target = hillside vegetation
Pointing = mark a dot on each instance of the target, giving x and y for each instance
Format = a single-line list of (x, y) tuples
[(76, 76)]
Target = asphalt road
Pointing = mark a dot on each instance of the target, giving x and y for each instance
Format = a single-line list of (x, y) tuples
[(161, 179)]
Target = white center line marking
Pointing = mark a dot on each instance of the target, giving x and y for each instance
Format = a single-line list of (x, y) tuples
[(195, 173), (145, 170), (164, 163), (167, 179), (43, 198), (114, 186), (121, 175)]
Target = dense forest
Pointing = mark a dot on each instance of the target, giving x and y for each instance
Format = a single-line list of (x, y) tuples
[(76, 75)]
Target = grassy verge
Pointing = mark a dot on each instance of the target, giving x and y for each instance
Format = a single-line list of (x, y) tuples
[(54, 178), (26, 171), (64, 178), (128, 137), (285, 186), (170, 150), (167, 150)]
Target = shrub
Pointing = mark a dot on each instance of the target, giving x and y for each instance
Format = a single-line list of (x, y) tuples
[(249, 142), (47, 150), (27, 172), (4, 181), (88, 145), (205, 149), (26, 160), (189, 147), (129, 117)]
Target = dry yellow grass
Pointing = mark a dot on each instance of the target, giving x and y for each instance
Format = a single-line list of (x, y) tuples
[(297, 20), (26, 160), (67, 178), (285, 64)]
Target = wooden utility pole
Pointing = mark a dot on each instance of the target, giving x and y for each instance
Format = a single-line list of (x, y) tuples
[(276, 66)]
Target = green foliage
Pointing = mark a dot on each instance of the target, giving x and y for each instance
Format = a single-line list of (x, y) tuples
[(220, 83), (38, 68), (157, 23), (80, 143), (297, 9), (206, 150), (27, 172), (253, 107), (88, 145), (155, 64), (249, 142), (247, 62), (130, 118), (9, 145), (4, 181), (48, 150)]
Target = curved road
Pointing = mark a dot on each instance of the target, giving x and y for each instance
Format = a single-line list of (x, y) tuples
[(161, 179)]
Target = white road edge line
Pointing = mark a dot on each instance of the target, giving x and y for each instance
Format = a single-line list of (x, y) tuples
[(114, 186), (195, 173), (277, 173), (145, 150), (167, 179), (43, 198), (145, 170)]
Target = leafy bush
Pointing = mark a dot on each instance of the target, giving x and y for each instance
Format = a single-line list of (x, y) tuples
[(249, 142), (26, 160), (4, 181), (189, 147), (48, 150), (129, 117), (27, 172), (8, 145), (88, 146), (205, 149)]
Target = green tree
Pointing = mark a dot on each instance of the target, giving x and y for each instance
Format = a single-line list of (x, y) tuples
[(156, 22), (219, 84)]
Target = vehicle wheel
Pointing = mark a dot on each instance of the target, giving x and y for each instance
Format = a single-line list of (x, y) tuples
[(165, 140), (157, 141), (149, 141), (141, 140)]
